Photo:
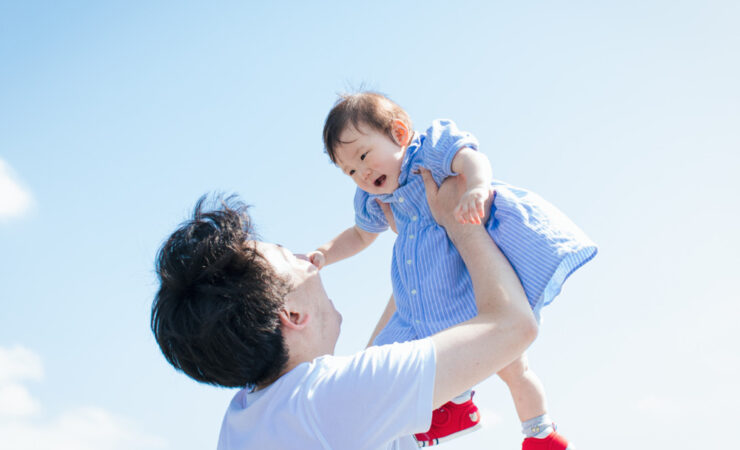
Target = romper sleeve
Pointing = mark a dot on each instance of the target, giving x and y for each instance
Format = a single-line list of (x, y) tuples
[(368, 214), (442, 142)]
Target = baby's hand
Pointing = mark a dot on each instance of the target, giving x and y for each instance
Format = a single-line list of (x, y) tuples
[(317, 258), (471, 208)]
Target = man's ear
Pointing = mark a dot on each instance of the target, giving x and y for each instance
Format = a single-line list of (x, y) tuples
[(400, 132), (293, 320)]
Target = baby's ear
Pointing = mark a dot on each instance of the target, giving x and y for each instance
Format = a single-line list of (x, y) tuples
[(400, 132)]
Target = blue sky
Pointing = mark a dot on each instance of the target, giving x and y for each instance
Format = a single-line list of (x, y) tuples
[(116, 116)]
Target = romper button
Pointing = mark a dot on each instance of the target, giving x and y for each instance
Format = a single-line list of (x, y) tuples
[(418, 321), (411, 236), (408, 261), (413, 291), (414, 218), (400, 199)]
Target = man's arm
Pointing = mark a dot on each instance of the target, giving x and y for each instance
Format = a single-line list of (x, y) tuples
[(504, 327)]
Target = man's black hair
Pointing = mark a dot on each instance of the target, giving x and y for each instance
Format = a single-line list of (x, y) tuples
[(215, 316)]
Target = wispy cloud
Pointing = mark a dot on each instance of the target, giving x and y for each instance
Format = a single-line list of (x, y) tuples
[(15, 200), (79, 428), (18, 364)]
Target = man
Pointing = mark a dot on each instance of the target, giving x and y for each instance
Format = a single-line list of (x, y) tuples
[(234, 312)]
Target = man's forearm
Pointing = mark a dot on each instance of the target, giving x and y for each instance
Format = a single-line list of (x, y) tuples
[(474, 350)]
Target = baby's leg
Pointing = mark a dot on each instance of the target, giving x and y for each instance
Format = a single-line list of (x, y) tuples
[(526, 389), (531, 406)]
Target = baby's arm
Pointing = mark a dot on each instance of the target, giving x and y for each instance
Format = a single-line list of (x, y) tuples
[(476, 169), (349, 242)]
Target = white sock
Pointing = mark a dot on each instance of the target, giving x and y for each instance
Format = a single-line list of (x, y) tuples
[(540, 427), (462, 398)]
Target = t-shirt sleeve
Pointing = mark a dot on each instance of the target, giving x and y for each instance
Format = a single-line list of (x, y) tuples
[(442, 142), (368, 214), (381, 394)]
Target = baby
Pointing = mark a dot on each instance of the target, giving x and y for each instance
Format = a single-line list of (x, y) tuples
[(370, 138)]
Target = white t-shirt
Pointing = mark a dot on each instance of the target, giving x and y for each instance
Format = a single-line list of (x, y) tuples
[(375, 400)]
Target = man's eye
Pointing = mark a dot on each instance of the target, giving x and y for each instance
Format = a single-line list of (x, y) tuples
[(363, 156), (351, 172)]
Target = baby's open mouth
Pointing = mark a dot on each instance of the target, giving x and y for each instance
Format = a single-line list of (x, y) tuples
[(379, 181)]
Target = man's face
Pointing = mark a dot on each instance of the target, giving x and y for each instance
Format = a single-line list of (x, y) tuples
[(307, 290), (371, 158)]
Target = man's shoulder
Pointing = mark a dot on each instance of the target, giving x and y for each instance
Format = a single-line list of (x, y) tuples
[(333, 400), (377, 361)]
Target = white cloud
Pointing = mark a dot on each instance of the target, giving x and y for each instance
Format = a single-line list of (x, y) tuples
[(86, 428), (15, 201), (19, 363), (15, 400), (23, 427)]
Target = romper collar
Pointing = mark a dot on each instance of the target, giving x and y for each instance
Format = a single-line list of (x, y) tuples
[(410, 153)]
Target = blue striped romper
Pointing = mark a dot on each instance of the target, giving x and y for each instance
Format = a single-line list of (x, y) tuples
[(431, 285)]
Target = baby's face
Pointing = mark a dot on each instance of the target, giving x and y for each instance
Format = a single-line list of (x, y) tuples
[(371, 158)]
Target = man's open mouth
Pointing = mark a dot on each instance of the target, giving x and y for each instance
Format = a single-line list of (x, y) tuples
[(379, 181)]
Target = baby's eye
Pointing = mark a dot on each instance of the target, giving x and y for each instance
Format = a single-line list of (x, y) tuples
[(363, 156), (351, 172)]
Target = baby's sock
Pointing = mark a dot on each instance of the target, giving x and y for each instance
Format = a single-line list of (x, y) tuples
[(540, 427), (462, 398)]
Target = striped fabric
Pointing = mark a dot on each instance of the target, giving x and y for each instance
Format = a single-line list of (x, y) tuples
[(431, 285)]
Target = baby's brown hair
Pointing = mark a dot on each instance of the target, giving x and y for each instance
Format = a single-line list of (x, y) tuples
[(370, 108)]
